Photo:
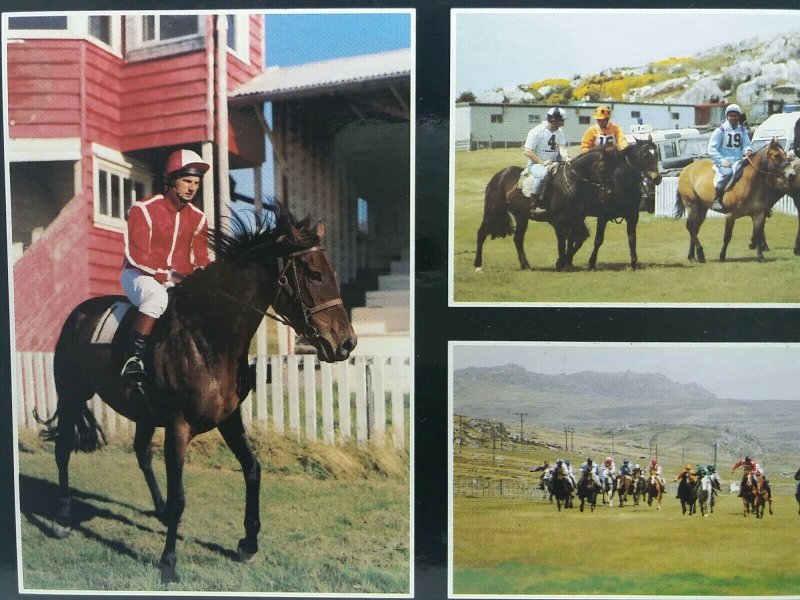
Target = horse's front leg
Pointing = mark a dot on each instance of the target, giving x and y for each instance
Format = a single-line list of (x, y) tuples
[(177, 437), (631, 221), (759, 221), (797, 239), (142, 445), (521, 219), (233, 433), (726, 238), (599, 237), (561, 246), (694, 220)]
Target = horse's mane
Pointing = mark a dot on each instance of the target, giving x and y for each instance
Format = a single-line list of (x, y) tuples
[(274, 228), (249, 235)]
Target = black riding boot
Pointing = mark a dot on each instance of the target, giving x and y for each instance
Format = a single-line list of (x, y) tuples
[(538, 213), (717, 204), (133, 369)]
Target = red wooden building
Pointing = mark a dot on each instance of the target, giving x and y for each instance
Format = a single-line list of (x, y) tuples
[(95, 105)]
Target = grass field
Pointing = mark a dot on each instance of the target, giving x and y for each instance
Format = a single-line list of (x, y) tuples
[(332, 522), (504, 546), (513, 545), (667, 276)]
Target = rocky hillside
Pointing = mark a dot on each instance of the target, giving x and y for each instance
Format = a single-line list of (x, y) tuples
[(617, 401), (749, 71)]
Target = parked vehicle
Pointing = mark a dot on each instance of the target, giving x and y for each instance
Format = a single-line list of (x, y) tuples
[(781, 126)]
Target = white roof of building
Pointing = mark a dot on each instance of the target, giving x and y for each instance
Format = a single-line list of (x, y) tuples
[(313, 79)]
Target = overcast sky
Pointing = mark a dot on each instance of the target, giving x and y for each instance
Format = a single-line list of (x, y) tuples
[(739, 371), (506, 48)]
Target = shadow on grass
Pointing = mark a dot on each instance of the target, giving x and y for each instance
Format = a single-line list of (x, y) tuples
[(38, 507)]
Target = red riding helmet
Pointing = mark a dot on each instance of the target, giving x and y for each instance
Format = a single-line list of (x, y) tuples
[(185, 162)]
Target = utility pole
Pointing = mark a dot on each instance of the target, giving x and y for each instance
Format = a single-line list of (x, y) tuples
[(612, 443), (572, 438), (566, 439), (521, 416), (715, 453)]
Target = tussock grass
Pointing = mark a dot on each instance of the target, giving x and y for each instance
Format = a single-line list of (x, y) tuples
[(667, 276)]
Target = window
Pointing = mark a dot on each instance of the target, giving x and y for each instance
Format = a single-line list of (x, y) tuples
[(534, 118), (238, 36), (56, 23), (363, 216), (153, 36), (497, 118), (103, 30), (635, 114), (167, 27), (584, 120), (118, 183), (676, 116), (100, 28)]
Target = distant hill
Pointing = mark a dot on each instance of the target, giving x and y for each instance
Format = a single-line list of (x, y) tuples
[(746, 72), (616, 401)]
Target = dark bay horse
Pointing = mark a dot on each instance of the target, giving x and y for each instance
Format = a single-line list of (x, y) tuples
[(797, 475), (199, 346), (587, 490), (794, 193), (765, 171), (561, 490), (638, 160), (502, 198), (687, 493)]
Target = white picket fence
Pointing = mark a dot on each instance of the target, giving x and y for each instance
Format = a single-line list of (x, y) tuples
[(665, 201), (355, 401)]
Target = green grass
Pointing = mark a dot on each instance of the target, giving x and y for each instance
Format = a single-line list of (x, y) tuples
[(512, 545), (667, 276), (504, 546), (333, 534)]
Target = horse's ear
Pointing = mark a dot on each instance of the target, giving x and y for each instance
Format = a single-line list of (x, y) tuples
[(296, 233), (649, 138), (319, 230)]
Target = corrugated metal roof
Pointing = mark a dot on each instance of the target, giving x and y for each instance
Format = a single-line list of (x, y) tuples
[(312, 79)]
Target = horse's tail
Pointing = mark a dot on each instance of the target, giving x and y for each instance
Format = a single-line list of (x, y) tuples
[(88, 436), (496, 216), (680, 209)]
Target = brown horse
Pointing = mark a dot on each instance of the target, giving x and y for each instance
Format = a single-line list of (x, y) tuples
[(761, 495), (624, 487), (766, 170), (794, 193), (654, 491), (198, 377), (639, 485)]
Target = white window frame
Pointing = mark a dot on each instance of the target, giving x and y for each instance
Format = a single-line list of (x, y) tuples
[(136, 49), (241, 50), (77, 28), (115, 163)]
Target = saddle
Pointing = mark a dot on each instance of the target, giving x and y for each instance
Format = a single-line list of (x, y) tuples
[(738, 171)]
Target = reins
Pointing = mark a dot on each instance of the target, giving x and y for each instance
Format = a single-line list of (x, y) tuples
[(294, 293)]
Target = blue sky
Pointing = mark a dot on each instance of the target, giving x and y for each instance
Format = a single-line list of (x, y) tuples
[(296, 38), (740, 371), (504, 48)]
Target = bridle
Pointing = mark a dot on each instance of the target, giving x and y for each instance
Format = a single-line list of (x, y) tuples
[(764, 160), (284, 285), (294, 292)]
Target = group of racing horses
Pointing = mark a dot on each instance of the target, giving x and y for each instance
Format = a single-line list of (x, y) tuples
[(637, 485), (693, 491), (608, 184)]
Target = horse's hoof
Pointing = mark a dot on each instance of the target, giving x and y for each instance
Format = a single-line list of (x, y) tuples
[(479, 269), (721, 259), (245, 554), (751, 245), (168, 574), (761, 259), (61, 532)]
